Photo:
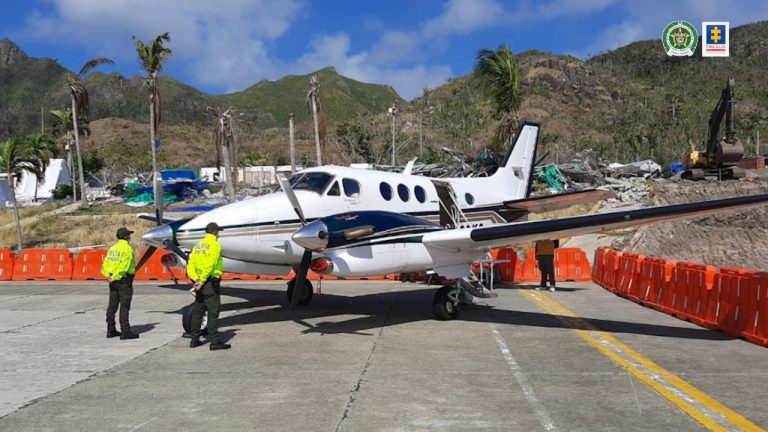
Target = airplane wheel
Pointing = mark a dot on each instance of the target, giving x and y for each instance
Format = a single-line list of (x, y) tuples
[(308, 294), (446, 303), (186, 318)]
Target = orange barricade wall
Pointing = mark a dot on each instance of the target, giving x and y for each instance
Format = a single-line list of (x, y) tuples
[(155, 270), (43, 264), (87, 264), (654, 275), (627, 273), (7, 259), (736, 296)]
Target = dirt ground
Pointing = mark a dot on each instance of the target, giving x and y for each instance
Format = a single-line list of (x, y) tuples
[(726, 240)]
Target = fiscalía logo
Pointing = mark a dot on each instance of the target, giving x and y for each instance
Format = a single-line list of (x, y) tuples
[(717, 39), (679, 38)]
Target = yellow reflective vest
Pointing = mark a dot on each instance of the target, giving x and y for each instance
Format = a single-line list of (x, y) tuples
[(119, 261), (205, 260)]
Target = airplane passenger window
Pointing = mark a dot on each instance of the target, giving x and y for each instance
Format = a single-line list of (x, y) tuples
[(311, 181), (351, 188), (403, 191), (469, 198), (420, 194), (334, 190), (386, 191)]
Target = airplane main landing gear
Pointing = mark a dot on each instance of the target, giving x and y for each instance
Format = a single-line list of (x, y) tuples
[(306, 298), (186, 318), (447, 302)]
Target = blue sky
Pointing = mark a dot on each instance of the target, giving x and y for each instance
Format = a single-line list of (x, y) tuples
[(227, 45)]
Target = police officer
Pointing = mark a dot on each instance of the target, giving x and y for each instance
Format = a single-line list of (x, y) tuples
[(119, 267), (205, 267)]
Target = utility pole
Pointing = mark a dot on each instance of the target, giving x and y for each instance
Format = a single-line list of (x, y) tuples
[(393, 111), (291, 118)]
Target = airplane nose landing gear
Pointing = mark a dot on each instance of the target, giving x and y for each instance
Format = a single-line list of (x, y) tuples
[(305, 295)]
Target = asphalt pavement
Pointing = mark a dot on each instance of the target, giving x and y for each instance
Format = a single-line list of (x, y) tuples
[(368, 356)]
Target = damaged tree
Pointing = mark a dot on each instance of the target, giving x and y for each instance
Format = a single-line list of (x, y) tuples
[(318, 115)]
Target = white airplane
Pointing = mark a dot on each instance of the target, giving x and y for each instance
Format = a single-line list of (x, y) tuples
[(331, 218)]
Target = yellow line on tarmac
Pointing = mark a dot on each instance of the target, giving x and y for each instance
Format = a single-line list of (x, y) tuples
[(709, 412)]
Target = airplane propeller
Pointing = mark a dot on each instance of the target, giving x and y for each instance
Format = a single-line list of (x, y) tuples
[(306, 258)]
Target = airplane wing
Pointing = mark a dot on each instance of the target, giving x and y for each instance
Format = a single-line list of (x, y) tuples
[(506, 234)]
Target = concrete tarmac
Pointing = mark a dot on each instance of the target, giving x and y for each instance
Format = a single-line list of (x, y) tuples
[(368, 356)]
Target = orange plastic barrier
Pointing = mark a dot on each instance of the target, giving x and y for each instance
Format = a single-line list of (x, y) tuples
[(43, 264), (571, 264), (611, 269), (154, 269), (691, 286), (654, 278), (628, 273), (736, 292), (7, 259), (507, 270), (598, 266), (87, 265), (757, 328)]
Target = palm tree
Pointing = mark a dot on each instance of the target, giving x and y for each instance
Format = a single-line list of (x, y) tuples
[(314, 105), (16, 158), (223, 138), (80, 106), (152, 56), (499, 76), (41, 148), (63, 126)]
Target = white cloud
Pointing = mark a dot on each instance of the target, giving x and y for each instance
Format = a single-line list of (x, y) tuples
[(222, 43), (463, 16)]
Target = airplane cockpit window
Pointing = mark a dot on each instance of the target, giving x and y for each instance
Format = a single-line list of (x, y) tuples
[(334, 190), (403, 192), (386, 191), (351, 187), (420, 194), (469, 198), (311, 181)]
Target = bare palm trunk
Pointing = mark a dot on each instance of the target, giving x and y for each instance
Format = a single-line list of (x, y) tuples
[(228, 169), (157, 180), (292, 143), (83, 198), (71, 171), (317, 133), (15, 211)]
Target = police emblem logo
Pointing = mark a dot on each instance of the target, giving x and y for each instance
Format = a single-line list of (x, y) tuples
[(679, 38), (715, 39)]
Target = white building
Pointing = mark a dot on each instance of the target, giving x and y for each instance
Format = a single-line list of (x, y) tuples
[(56, 174), (251, 175)]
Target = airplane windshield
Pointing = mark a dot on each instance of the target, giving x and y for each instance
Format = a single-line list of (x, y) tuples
[(312, 181)]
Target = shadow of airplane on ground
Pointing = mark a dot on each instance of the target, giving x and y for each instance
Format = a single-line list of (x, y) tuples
[(373, 311)]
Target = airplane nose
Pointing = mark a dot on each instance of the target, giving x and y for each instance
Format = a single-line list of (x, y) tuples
[(313, 236), (157, 235)]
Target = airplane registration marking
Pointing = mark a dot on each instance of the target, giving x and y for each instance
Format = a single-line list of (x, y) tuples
[(528, 392), (706, 410)]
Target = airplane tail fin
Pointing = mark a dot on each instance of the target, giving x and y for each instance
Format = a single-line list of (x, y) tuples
[(516, 172)]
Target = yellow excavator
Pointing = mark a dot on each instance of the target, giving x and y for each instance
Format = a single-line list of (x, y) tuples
[(721, 154)]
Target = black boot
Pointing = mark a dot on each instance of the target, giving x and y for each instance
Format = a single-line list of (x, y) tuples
[(195, 342), (112, 333), (128, 335), (216, 345)]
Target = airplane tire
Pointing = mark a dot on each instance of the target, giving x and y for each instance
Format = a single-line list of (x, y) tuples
[(308, 293), (186, 318), (445, 308)]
